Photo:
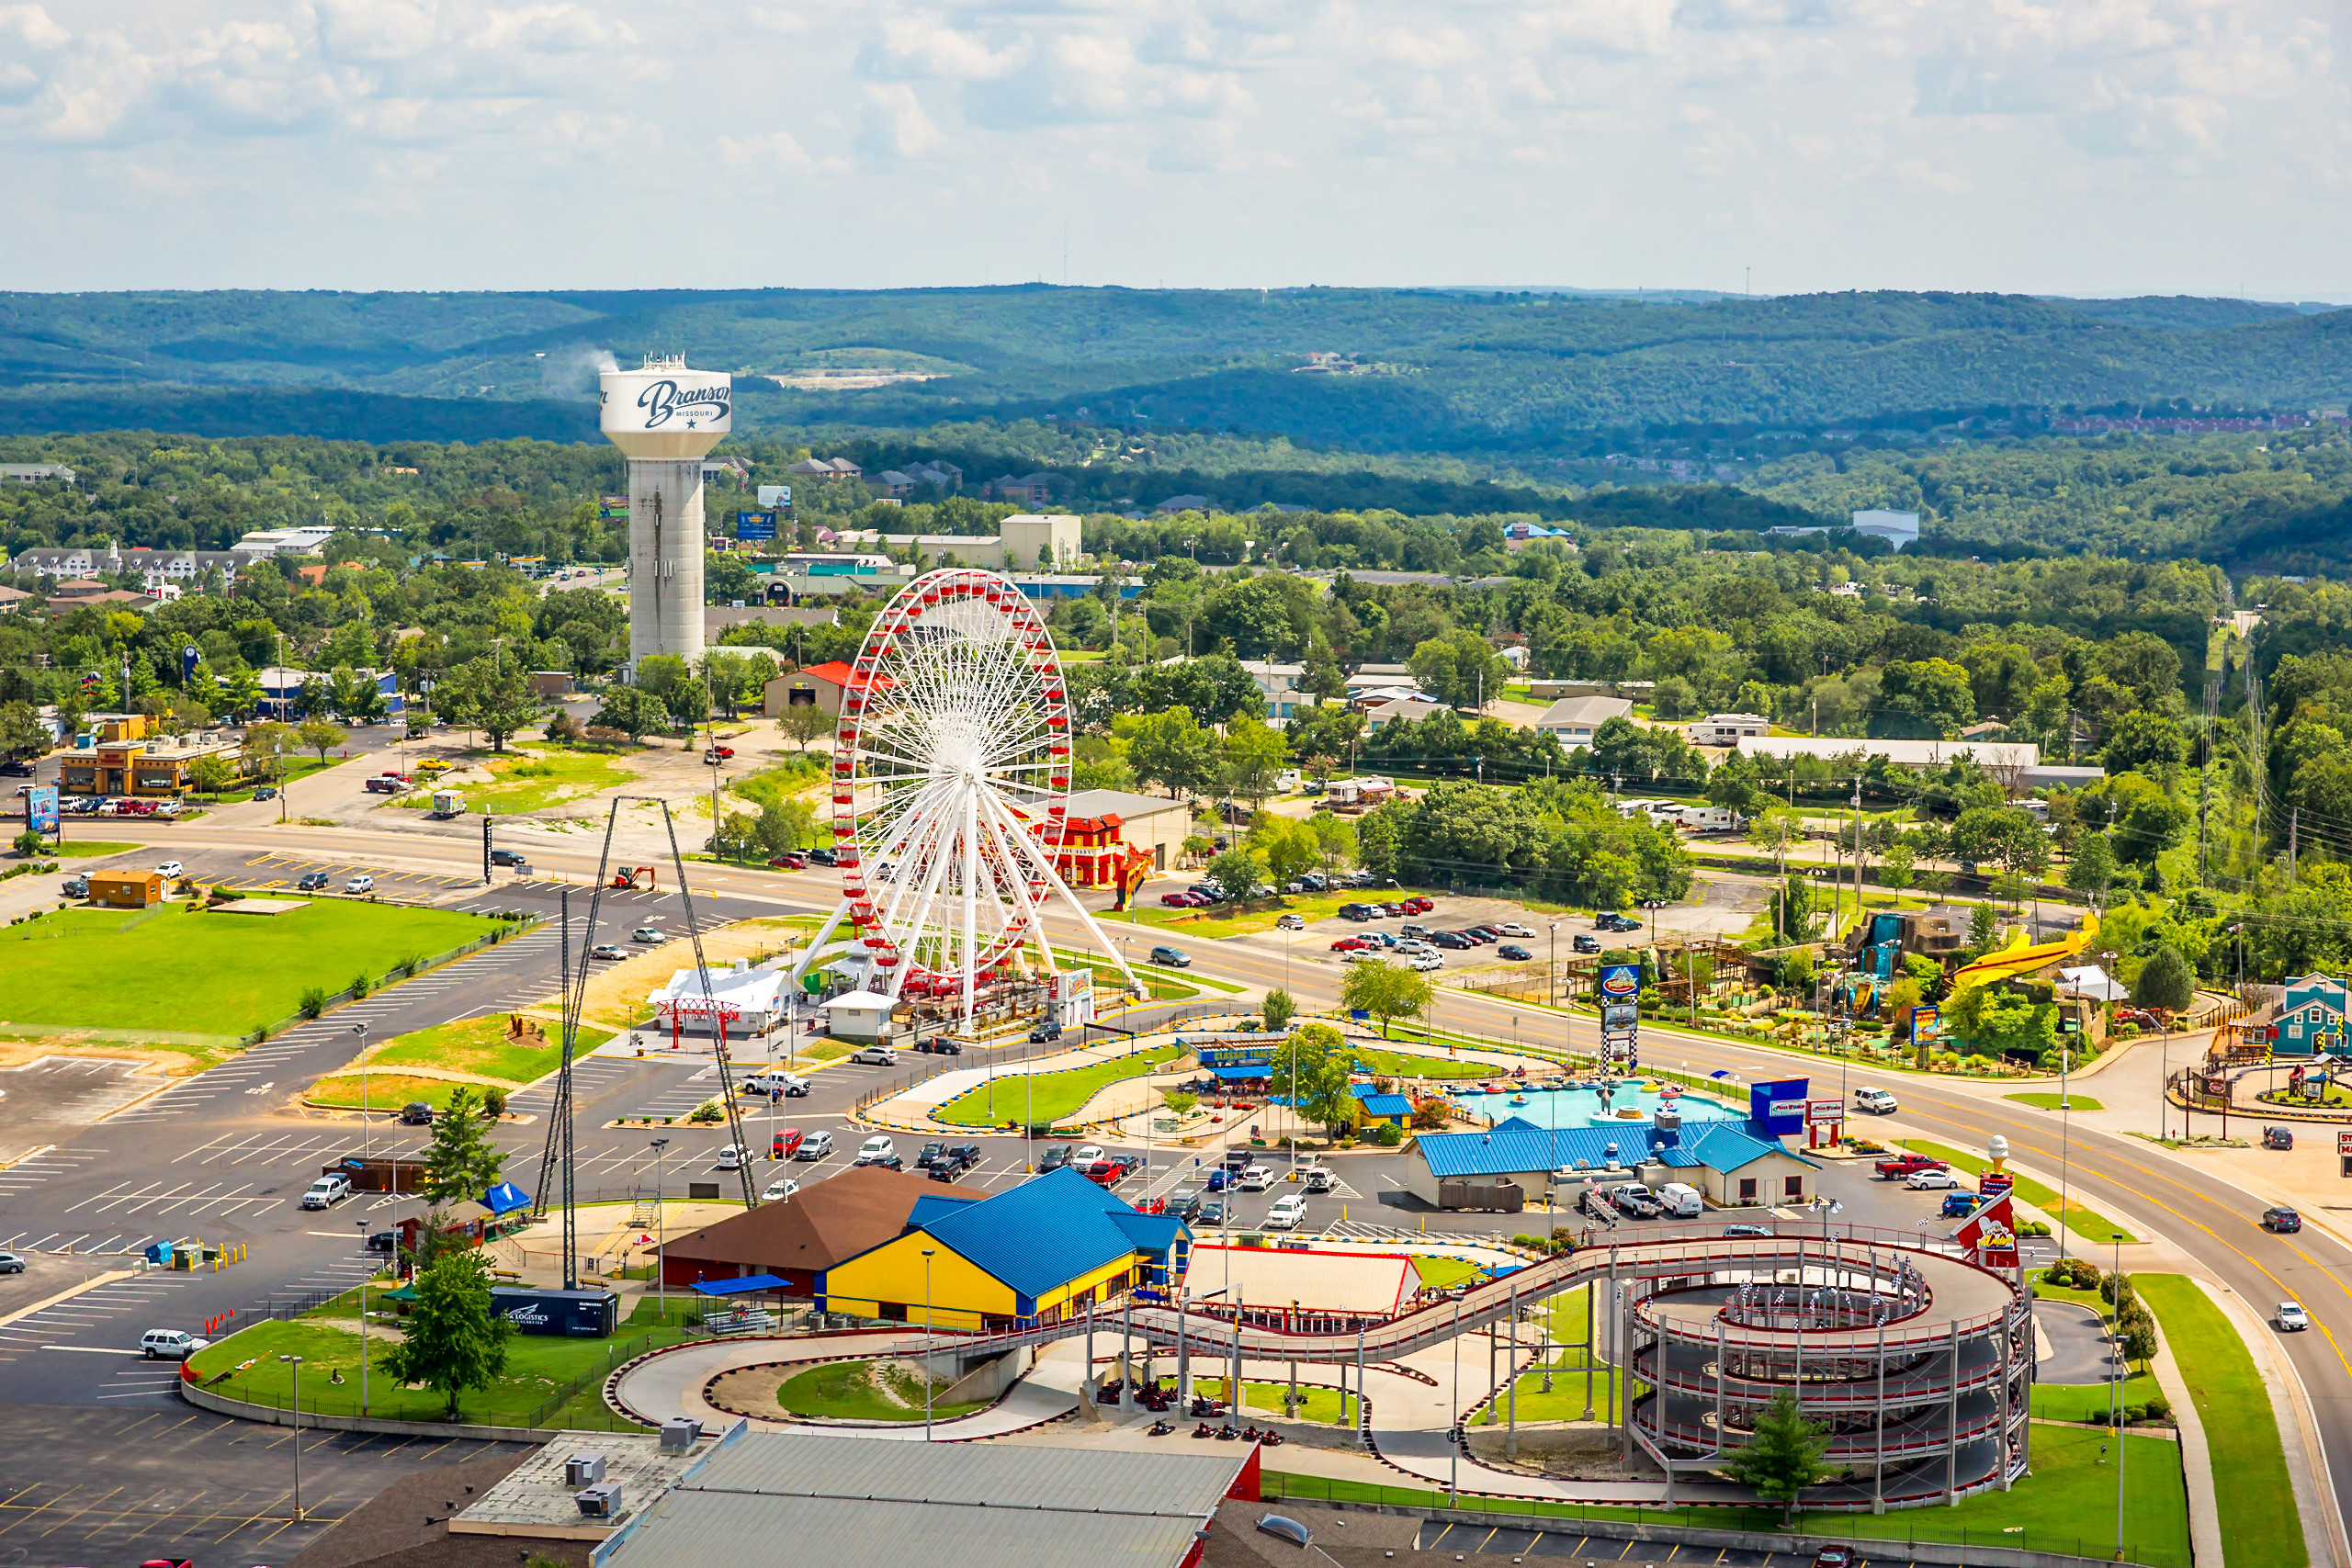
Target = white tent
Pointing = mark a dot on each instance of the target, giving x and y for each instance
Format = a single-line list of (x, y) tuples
[(2090, 981), (749, 1000)]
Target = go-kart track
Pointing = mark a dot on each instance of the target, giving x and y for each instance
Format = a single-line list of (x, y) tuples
[(1919, 1361)]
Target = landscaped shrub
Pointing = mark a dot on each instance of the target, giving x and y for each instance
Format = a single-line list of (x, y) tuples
[(314, 1002)]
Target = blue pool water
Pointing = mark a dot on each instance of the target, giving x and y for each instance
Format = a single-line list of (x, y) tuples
[(1582, 1107)]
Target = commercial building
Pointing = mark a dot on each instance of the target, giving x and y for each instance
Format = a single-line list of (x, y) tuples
[(34, 473), (1572, 720), (2310, 1015), (1088, 851), (820, 685), (1897, 528), (146, 770), (1041, 1252), (1999, 754), (1152, 823), (1733, 1163), (825, 1223), (899, 1505), (282, 690), (126, 889), (1039, 540), (262, 543), (1069, 585), (1408, 710), (729, 1003)]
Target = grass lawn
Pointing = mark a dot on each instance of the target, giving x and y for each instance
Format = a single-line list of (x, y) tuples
[(2042, 1100), (2259, 1524), (847, 1390), (1054, 1096), (481, 1046), (1318, 1405), (534, 782), (2084, 1220), (208, 972), (1441, 1273), (2076, 1401), (1413, 1065), (388, 1092), (75, 848), (2060, 1508), (539, 1368)]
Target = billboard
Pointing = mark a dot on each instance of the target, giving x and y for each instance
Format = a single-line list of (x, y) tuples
[(1819, 1111), (1779, 1105), (1621, 982), (41, 808), (1624, 1016), (755, 524), (1074, 999), (774, 496), (613, 508)]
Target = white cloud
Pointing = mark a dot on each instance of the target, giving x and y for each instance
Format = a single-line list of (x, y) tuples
[(1991, 143)]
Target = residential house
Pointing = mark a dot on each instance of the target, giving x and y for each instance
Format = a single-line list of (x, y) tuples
[(1175, 503), (1412, 710), (1572, 720), (825, 469), (1026, 490), (34, 473), (1278, 683)]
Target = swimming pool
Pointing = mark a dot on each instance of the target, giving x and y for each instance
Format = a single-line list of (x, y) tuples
[(1581, 1105)]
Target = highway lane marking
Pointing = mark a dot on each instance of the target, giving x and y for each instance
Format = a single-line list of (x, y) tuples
[(91, 1349)]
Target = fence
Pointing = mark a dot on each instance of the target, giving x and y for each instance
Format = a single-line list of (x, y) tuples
[(1716, 1526), (511, 924)]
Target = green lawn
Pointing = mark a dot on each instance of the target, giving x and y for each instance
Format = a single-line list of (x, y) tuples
[(1051, 1097), (1414, 1065), (481, 1046), (522, 783), (846, 1391), (388, 1092), (1443, 1273), (74, 849), (539, 1368), (1316, 1405), (2084, 1220), (2042, 1100), (2260, 1527), (2077, 1401), (208, 972), (2066, 1506)]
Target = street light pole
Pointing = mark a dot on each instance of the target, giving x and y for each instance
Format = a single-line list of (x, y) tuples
[(296, 1361), (361, 1031), (928, 1341), (363, 1322), (660, 1232)]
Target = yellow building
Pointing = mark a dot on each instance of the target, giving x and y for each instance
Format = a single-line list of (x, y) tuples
[(1040, 1252)]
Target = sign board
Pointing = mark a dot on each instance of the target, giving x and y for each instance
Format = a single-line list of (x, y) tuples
[(665, 398), (1924, 1021), (1823, 1111), (2343, 1142), (611, 508), (755, 524), (40, 810), (1621, 1015), (773, 496), (1621, 983), (1779, 1105), (1074, 998)]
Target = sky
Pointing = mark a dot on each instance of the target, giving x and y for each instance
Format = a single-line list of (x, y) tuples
[(2088, 147)]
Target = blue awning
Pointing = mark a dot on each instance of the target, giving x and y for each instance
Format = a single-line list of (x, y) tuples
[(1234, 1075), (738, 1287), (505, 1198)]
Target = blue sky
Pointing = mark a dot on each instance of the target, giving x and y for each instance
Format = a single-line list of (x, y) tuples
[(2091, 147)]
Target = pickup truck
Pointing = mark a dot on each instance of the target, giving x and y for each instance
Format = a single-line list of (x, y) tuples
[(1905, 1165)]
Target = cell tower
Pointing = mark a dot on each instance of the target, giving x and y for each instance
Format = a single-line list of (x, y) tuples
[(666, 419)]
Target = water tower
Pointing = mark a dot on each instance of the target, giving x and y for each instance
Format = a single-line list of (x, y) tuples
[(665, 419)]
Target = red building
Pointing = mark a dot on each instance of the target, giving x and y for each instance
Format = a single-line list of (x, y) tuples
[(1088, 851)]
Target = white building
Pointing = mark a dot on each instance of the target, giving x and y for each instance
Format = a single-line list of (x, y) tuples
[(1278, 683), (748, 1001), (2017, 754), (1572, 720), (263, 543)]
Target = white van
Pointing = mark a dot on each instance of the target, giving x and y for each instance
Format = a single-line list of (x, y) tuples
[(1682, 1203)]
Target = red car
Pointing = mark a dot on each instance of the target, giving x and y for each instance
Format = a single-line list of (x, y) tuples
[(1903, 1165), (1176, 900), (789, 862), (1350, 944), (1417, 905), (1107, 1172)]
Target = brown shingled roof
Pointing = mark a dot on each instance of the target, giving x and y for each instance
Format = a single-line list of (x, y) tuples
[(821, 1225)]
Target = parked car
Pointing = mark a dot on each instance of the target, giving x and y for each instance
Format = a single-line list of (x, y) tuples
[(1040, 1034), (1290, 922), (1456, 941), (1106, 1172), (1256, 1178), (946, 1170), (1056, 1157), (874, 1148), (1286, 1213), (170, 1344), (1957, 1206), (1905, 1164), (1638, 1200), (381, 785), (1513, 928), (731, 1157), (11, 1263), (939, 1045), (876, 1057), (2283, 1220), (171, 870), (312, 882), (266, 792), (1170, 958), (1425, 961), (1613, 923), (1513, 952), (1749, 1231), (1351, 944), (1087, 1154), (2292, 1318), (1320, 1181), (1210, 1212), (785, 1143), (815, 1147), (384, 1241), (16, 768), (76, 887), (1877, 1101), (1483, 933), (824, 857), (326, 1191), (966, 1156), (607, 949), (782, 1187), (2277, 1138), (1174, 900), (1937, 1180), (416, 1113), (360, 883), (789, 862), (930, 1152), (1417, 905), (645, 935)]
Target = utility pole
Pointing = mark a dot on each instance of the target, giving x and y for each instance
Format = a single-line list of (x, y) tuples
[(2294, 829)]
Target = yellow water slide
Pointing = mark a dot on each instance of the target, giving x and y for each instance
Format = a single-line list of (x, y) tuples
[(2018, 958)]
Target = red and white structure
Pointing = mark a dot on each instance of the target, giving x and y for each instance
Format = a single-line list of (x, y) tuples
[(950, 790)]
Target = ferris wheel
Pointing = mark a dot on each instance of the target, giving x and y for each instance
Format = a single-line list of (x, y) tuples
[(951, 785)]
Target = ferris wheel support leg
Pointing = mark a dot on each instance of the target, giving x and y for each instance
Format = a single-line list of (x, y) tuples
[(1045, 864), (972, 898), (930, 890), (817, 944)]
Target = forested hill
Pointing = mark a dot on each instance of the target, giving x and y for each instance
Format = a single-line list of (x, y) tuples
[(1416, 371)]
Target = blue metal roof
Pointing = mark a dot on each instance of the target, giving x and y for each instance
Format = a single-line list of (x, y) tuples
[(1519, 1145), (1234, 1073), (1048, 1231), (1387, 1105), (932, 1205)]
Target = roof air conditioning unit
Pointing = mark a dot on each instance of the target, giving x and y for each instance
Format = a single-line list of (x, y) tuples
[(583, 1470), (602, 1501), (678, 1434)]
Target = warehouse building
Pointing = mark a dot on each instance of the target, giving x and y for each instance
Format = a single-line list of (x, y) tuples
[(1732, 1164)]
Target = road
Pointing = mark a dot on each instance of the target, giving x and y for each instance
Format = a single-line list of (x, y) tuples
[(208, 1158)]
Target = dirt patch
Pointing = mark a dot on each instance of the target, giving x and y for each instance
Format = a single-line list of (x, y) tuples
[(750, 1391), (1576, 1452)]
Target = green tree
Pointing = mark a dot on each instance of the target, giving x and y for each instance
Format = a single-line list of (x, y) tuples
[(2005, 1023), (1924, 699), (460, 1163), (2165, 981), (490, 695), (21, 734), (637, 713), (2093, 865), (455, 1341), (1459, 668), (1781, 1457), (804, 723), (1279, 1009), (1170, 749), (1238, 873), (354, 696), (2148, 741), (1736, 785), (211, 773), (1322, 676), (241, 692), (1248, 759), (1311, 1071), (1385, 991), (1335, 838), (1984, 929), (1324, 735), (1288, 845), (786, 825), (319, 735)]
